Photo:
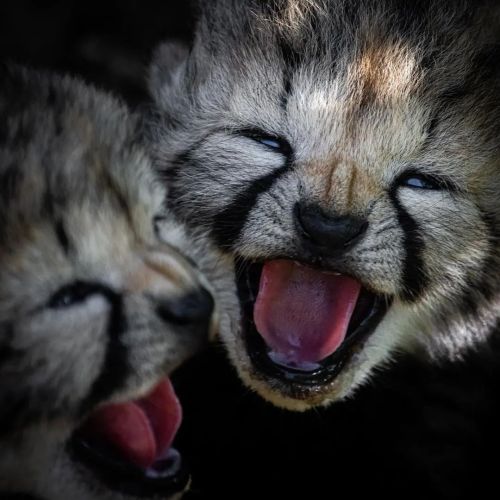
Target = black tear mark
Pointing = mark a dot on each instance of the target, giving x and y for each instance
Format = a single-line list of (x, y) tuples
[(229, 223), (414, 278)]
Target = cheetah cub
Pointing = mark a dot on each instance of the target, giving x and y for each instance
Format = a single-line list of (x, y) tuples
[(95, 310), (346, 154)]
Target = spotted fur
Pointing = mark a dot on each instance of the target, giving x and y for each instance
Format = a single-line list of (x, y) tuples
[(359, 97), (86, 284)]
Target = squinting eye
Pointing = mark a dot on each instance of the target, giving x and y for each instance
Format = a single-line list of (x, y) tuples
[(71, 295), (276, 143), (272, 143), (423, 181), (419, 183)]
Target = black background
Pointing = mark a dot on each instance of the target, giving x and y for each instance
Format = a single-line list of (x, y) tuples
[(107, 42), (415, 432)]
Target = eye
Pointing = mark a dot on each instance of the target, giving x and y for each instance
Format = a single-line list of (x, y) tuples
[(72, 294), (274, 142), (416, 180), (270, 142), (419, 182)]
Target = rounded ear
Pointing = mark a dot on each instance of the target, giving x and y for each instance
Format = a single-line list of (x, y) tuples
[(167, 70)]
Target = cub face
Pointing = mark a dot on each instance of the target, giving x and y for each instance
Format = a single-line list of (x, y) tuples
[(345, 154), (95, 309)]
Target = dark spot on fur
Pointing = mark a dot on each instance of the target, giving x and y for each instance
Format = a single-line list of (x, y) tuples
[(290, 55), (171, 174), (10, 181), (287, 91), (54, 201), (62, 235), (292, 60), (431, 129)]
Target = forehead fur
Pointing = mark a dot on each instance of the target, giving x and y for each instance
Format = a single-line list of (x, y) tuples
[(383, 50), (62, 143), (326, 27)]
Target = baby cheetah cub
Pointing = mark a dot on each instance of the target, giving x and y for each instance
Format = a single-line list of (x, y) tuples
[(95, 311), (346, 154)]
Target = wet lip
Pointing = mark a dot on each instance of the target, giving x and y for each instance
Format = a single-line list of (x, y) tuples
[(367, 313), (129, 446)]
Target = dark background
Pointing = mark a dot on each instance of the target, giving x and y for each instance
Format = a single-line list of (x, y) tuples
[(415, 432), (107, 42)]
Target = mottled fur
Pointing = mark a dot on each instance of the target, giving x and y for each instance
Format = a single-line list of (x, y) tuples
[(83, 277), (362, 95)]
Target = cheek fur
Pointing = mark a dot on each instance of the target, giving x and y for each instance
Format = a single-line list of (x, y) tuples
[(456, 238)]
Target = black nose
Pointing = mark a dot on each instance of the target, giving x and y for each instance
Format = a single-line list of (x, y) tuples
[(328, 233), (195, 308)]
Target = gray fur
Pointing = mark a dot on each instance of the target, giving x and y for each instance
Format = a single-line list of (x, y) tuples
[(79, 200), (363, 91)]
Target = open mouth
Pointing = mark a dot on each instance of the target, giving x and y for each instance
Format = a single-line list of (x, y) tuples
[(128, 446), (302, 325)]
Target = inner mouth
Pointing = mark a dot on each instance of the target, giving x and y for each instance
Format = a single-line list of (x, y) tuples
[(302, 325), (128, 446)]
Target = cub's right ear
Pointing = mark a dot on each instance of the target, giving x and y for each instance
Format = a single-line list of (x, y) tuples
[(167, 71)]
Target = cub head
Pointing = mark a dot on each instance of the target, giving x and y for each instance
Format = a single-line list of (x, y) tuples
[(347, 155), (95, 310)]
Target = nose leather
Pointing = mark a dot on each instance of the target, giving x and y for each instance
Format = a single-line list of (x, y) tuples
[(192, 309), (327, 232)]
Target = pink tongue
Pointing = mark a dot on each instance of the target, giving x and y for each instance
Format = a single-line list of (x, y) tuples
[(142, 431), (301, 313)]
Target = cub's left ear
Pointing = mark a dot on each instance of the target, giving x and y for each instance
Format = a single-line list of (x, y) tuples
[(167, 73)]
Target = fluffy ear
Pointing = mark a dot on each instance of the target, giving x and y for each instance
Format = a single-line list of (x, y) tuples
[(167, 71)]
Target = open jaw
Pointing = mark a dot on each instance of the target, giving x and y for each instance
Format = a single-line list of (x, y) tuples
[(128, 446), (302, 325)]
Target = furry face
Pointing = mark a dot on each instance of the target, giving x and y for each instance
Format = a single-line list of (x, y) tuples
[(95, 311), (346, 154)]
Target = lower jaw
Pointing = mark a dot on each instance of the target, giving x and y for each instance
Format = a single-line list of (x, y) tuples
[(170, 479), (258, 353), (297, 389), (291, 397), (300, 397), (287, 386), (292, 389)]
